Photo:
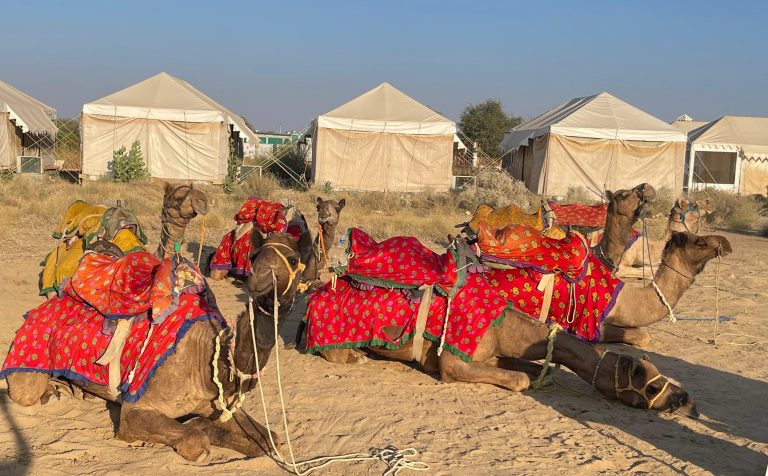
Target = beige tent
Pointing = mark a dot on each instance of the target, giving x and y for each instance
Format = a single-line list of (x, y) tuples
[(686, 123), (184, 134), (383, 141), (730, 153), (596, 142), (26, 126)]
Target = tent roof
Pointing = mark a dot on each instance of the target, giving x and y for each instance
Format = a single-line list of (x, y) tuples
[(602, 116), (689, 126), (29, 113), (749, 134), (164, 97), (386, 109)]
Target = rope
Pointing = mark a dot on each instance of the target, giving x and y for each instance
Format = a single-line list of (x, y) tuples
[(717, 301), (202, 239), (672, 317), (445, 327), (322, 244), (547, 373), (395, 459), (226, 411)]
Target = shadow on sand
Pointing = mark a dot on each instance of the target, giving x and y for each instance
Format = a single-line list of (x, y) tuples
[(728, 404), (24, 455)]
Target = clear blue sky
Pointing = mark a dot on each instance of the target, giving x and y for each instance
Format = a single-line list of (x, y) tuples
[(281, 63)]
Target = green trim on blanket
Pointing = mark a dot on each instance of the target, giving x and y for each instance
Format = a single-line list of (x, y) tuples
[(367, 343), (47, 290), (381, 283)]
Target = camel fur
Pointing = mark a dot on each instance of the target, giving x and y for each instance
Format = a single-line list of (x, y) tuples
[(181, 204), (178, 408), (685, 215)]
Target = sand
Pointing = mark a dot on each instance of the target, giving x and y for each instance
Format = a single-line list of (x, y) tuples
[(457, 428)]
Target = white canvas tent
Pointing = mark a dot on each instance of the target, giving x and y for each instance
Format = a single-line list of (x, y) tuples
[(184, 134), (383, 140), (596, 142), (26, 126), (730, 153)]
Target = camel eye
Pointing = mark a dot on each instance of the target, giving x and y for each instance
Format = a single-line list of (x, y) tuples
[(293, 261)]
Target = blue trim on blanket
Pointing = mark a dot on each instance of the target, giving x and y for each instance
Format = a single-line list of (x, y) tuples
[(66, 373), (131, 398)]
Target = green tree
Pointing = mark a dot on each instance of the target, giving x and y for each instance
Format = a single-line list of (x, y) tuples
[(128, 166), (486, 123), (233, 168)]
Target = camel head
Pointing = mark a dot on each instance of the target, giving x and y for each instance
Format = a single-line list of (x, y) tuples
[(688, 253), (630, 203), (282, 253), (328, 212), (187, 200), (639, 384)]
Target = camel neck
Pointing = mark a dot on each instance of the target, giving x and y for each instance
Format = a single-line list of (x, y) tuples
[(616, 237)]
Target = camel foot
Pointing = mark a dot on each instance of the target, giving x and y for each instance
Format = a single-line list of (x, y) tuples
[(28, 388), (532, 369), (626, 335), (344, 356), (191, 443), (218, 274), (453, 369), (241, 433)]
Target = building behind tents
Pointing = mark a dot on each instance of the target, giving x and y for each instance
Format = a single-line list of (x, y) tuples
[(597, 142), (730, 153), (383, 140), (184, 134), (26, 129)]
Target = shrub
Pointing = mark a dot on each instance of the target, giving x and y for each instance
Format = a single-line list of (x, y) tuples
[(736, 212), (496, 188), (578, 194), (292, 157), (6, 175), (665, 199), (129, 166), (233, 168), (261, 186)]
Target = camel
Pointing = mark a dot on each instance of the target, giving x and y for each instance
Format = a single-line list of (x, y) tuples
[(685, 215), (183, 385), (328, 215), (181, 204), (500, 359), (684, 257)]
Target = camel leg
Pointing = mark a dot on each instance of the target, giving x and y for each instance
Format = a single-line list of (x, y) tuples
[(344, 356), (218, 274), (518, 365), (453, 369), (27, 388), (240, 433), (152, 426), (628, 335)]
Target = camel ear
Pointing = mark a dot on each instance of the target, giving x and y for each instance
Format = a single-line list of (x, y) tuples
[(256, 239), (342, 202), (609, 195), (305, 243), (318, 201), (679, 239), (167, 188)]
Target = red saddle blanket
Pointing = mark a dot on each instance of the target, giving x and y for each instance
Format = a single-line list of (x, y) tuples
[(350, 317), (579, 307), (576, 214), (63, 338), (400, 262), (234, 251), (524, 247)]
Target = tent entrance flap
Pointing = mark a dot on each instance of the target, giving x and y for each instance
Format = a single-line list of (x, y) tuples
[(715, 168)]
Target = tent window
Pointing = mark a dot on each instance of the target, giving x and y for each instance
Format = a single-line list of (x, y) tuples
[(715, 167)]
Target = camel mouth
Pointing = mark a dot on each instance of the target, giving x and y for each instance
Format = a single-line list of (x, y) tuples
[(689, 410), (200, 207)]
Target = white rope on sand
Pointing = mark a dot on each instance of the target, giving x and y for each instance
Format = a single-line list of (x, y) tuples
[(395, 459)]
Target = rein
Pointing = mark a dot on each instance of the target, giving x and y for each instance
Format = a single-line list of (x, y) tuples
[(292, 272)]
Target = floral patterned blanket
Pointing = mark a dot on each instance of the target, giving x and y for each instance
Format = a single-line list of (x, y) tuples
[(66, 335)]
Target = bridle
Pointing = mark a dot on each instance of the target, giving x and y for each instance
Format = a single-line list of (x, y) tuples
[(292, 272), (643, 392), (681, 215)]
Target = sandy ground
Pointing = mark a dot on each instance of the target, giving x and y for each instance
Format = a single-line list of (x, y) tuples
[(457, 428)]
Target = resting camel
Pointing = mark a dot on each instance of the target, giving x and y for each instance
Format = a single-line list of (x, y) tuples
[(181, 204), (503, 350), (328, 215), (684, 257), (685, 215), (183, 386)]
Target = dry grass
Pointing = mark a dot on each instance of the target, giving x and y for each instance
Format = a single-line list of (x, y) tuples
[(735, 212)]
